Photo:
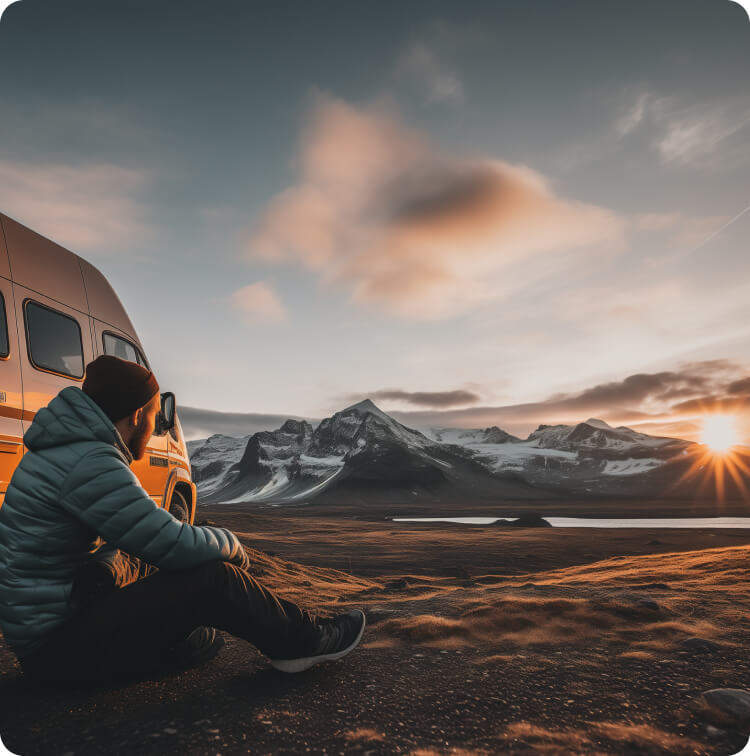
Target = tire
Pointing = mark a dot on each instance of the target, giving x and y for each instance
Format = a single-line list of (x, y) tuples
[(178, 507)]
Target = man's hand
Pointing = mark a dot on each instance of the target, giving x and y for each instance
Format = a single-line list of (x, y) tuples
[(243, 560)]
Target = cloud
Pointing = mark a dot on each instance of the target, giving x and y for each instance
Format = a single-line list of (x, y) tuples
[(411, 230), (258, 303), (683, 132), (692, 134), (90, 206), (633, 117), (656, 221), (644, 401), (713, 403), (637, 388), (201, 423), (420, 64), (422, 398), (741, 386), (425, 63)]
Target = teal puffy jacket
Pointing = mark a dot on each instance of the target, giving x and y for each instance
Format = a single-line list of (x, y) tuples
[(73, 488)]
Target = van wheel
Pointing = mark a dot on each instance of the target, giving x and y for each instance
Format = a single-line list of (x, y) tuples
[(178, 507)]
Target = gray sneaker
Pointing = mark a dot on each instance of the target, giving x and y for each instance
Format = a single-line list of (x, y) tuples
[(338, 636)]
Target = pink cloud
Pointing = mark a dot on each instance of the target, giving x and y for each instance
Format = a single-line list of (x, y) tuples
[(258, 303), (90, 207), (380, 210)]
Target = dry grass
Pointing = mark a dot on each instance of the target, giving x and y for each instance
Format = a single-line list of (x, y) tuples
[(364, 734), (647, 603), (643, 737)]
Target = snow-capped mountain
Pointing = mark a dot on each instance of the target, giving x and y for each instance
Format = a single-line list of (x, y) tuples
[(594, 434), (362, 449), (212, 457), (590, 457), (358, 448)]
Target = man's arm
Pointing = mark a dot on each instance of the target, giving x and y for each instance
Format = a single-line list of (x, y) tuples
[(102, 491)]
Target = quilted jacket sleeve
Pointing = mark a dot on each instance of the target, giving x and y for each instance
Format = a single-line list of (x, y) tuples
[(104, 493)]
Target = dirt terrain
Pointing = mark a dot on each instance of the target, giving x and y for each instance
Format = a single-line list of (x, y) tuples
[(480, 639)]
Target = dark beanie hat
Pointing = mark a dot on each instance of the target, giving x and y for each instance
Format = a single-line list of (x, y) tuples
[(119, 387)]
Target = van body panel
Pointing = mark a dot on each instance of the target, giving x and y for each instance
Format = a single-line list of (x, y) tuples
[(104, 304), (43, 266), (11, 396), (4, 263), (41, 386), (153, 469)]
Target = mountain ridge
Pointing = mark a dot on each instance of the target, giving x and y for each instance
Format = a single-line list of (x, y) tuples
[(362, 448)]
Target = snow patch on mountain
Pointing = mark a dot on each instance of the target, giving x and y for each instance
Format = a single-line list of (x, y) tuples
[(516, 456), (630, 466), (492, 435)]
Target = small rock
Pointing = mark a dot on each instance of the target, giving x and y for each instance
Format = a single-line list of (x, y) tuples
[(525, 520), (170, 730), (397, 585), (700, 645)]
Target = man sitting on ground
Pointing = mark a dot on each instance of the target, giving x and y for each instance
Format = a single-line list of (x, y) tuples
[(167, 584)]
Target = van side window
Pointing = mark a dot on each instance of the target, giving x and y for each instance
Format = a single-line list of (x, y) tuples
[(118, 347), (54, 340), (4, 351)]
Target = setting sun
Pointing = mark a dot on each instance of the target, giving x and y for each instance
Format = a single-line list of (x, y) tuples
[(719, 432)]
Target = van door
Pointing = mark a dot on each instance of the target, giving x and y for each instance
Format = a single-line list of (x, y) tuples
[(153, 470), (11, 394), (55, 347)]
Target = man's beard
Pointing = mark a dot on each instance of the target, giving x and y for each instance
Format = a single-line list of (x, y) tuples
[(138, 442)]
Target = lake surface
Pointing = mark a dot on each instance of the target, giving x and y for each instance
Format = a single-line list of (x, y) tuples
[(604, 522)]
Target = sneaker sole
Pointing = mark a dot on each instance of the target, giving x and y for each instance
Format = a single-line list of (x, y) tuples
[(305, 662)]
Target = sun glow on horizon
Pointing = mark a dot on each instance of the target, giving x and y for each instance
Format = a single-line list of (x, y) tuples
[(720, 432)]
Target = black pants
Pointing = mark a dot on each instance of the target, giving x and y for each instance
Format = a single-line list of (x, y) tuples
[(130, 629)]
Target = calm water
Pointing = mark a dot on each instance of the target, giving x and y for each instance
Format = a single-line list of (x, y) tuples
[(605, 522)]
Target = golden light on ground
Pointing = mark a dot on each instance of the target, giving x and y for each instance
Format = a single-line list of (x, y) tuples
[(720, 432)]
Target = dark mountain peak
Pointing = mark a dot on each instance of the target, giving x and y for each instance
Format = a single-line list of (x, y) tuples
[(495, 435), (296, 427), (357, 426), (363, 407)]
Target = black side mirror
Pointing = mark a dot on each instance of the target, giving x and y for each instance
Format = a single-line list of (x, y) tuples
[(166, 420)]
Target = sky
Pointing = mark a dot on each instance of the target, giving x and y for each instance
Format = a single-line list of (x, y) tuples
[(474, 213)]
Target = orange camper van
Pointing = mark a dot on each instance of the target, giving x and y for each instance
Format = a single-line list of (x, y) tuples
[(57, 313)]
